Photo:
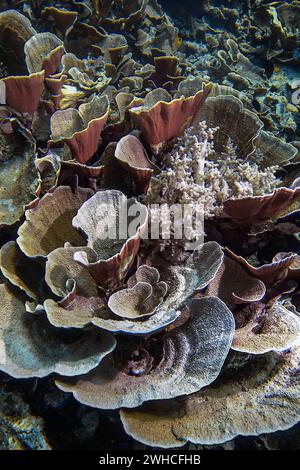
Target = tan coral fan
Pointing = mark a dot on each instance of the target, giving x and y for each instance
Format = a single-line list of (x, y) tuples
[(81, 129), (263, 397), (161, 121), (191, 358)]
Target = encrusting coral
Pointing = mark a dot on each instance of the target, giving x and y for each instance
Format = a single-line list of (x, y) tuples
[(109, 124)]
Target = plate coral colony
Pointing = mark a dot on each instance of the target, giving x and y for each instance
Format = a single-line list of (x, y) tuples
[(149, 212)]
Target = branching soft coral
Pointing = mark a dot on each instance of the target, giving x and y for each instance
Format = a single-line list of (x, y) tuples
[(194, 173)]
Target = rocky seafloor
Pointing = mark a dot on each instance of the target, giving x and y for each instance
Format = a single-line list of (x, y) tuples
[(112, 99)]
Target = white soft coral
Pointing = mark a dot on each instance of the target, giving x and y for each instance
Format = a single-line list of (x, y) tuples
[(193, 173)]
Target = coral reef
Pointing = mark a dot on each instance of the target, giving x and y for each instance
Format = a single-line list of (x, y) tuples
[(149, 223), (20, 429), (208, 177)]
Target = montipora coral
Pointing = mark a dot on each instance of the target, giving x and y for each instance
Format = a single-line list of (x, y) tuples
[(149, 218)]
